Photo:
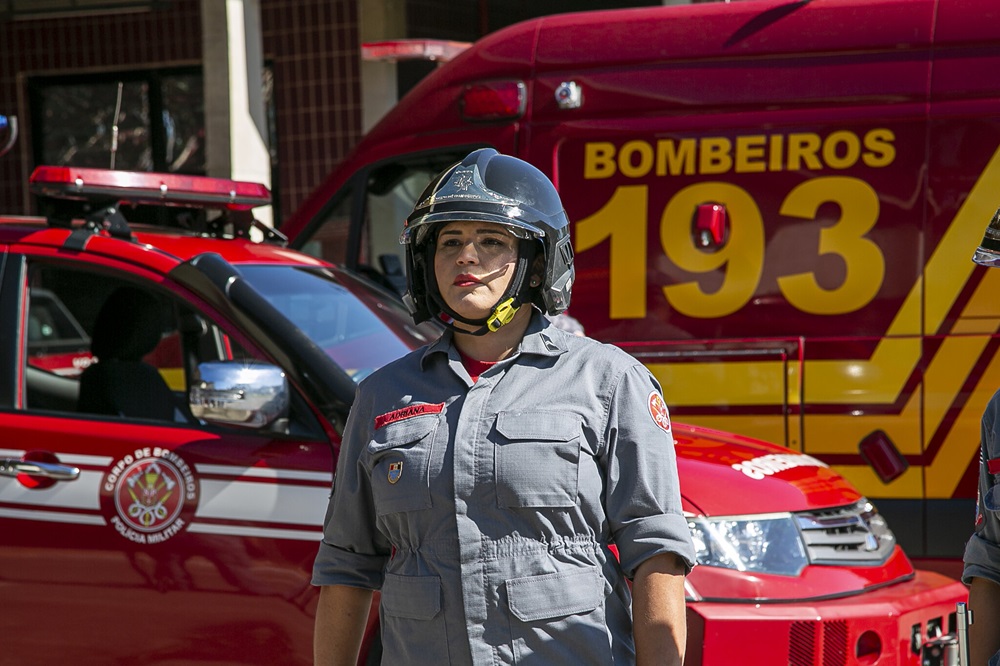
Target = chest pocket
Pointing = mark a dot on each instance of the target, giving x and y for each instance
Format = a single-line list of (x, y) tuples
[(398, 458), (537, 459)]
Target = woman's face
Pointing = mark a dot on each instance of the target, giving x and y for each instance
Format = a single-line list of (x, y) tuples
[(474, 263)]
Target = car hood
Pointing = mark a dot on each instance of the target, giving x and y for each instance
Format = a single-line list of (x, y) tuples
[(725, 474)]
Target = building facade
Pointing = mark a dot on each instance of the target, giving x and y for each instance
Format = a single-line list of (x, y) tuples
[(131, 84)]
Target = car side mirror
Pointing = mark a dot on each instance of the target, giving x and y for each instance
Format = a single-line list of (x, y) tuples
[(234, 393)]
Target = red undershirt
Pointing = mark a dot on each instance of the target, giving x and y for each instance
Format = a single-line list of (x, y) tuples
[(474, 367)]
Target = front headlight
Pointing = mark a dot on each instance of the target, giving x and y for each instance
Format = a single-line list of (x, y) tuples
[(765, 544)]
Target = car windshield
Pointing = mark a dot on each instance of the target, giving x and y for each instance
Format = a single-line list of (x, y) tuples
[(359, 325)]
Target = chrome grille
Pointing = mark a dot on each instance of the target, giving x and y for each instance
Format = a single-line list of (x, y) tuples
[(854, 534)]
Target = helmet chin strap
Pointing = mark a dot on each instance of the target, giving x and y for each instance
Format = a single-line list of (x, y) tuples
[(504, 309)]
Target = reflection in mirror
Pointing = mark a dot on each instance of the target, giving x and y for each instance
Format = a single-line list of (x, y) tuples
[(234, 393)]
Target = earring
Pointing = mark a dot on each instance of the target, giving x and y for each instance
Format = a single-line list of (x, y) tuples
[(534, 282)]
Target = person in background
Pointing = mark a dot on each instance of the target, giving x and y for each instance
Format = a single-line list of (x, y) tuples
[(485, 481), (567, 323), (982, 553)]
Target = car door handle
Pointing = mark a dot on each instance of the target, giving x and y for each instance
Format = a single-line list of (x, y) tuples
[(54, 471)]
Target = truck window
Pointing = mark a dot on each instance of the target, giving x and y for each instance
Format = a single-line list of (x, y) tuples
[(390, 190), (329, 238)]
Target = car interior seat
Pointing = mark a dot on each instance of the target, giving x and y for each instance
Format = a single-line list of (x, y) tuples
[(128, 326), (34, 328)]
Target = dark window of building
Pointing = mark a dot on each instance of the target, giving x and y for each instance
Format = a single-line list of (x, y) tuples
[(142, 121), (41, 9)]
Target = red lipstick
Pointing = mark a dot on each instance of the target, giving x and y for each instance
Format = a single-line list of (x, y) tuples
[(466, 280)]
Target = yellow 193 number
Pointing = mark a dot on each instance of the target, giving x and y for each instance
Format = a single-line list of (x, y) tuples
[(624, 218)]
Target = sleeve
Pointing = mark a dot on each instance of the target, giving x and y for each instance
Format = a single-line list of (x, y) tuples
[(643, 501), (353, 552), (982, 552)]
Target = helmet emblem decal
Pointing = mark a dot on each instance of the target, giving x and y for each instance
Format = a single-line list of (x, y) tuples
[(658, 410), (466, 184), (463, 181), (395, 471)]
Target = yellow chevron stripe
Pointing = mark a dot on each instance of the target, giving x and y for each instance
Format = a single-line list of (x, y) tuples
[(943, 380), (728, 383), (939, 479)]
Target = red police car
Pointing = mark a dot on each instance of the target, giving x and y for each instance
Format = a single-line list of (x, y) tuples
[(136, 524), (162, 493)]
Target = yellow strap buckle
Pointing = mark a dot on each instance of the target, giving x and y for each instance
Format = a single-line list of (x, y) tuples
[(502, 314)]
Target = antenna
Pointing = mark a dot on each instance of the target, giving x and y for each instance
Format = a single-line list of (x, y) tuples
[(114, 125)]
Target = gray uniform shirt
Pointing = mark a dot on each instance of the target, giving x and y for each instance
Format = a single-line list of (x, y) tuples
[(982, 553), (486, 512)]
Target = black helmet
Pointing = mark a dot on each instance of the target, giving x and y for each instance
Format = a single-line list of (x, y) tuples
[(490, 187)]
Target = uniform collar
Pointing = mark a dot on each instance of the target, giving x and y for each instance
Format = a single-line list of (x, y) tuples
[(541, 338)]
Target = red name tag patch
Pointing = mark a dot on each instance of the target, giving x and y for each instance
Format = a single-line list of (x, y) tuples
[(406, 413), (993, 466)]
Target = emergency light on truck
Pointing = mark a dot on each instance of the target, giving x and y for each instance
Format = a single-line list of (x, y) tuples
[(211, 207), (486, 101), (440, 50), (494, 100), (147, 188)]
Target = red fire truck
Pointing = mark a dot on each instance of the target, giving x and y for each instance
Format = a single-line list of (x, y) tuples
[(773, 204), (164, 504)]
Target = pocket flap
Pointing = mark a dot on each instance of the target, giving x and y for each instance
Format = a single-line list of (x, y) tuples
[(538, 425), (414, 597), (557, 594), (403, 432)]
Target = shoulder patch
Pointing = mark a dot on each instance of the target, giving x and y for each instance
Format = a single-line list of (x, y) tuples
[(658, 410), (407, 413)]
